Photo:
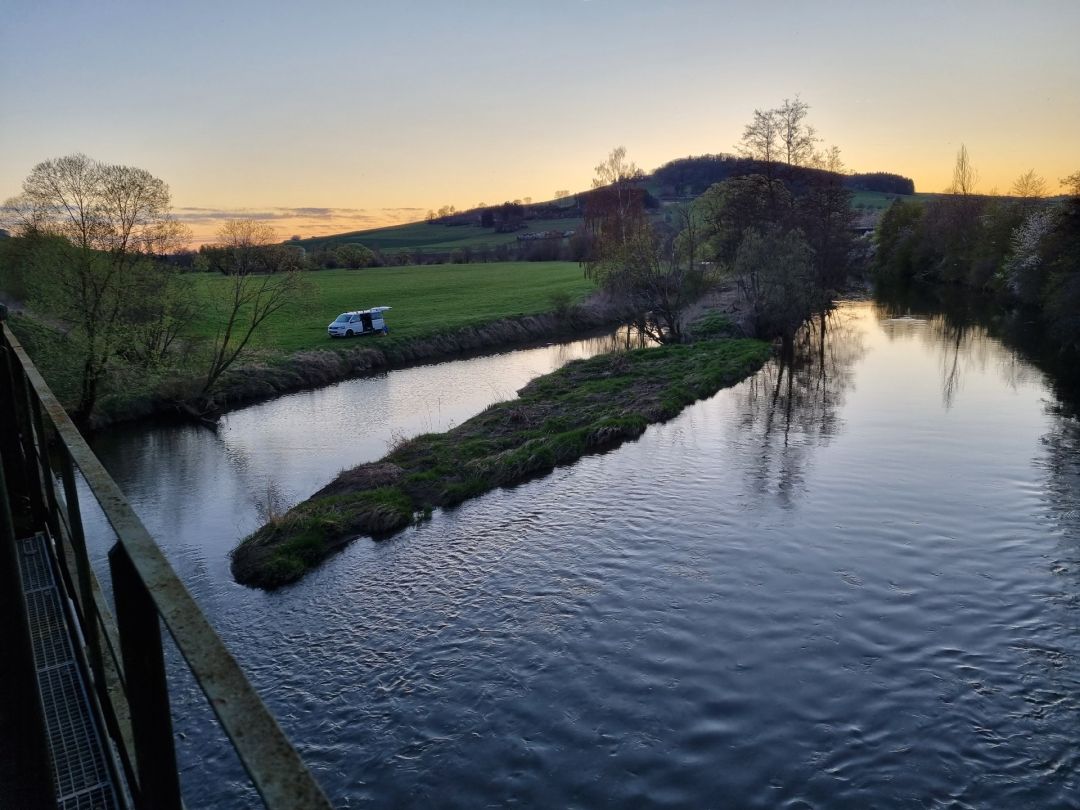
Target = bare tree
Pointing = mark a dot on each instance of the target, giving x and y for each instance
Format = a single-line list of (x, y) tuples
[(965, 175), (252, 296), (830, 160), (1029, 186), (164, 305), (562, 194), (760, 138), (616, 170), (617, 197), (108, 221), (796, 137)]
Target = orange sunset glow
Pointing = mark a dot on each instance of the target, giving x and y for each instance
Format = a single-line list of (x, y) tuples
[(350, 116)]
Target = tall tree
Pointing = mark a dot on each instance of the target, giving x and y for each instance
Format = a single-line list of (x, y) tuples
[(965, 175), (824, 214), (729, 208), (614, 212), (110, 222), (617, 195), (760, 138), (797, 138), (654, 272)]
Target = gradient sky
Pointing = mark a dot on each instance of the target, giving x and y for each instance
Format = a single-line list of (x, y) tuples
[(362, 113)]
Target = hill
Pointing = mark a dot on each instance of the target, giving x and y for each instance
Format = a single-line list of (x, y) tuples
[(532, 231)]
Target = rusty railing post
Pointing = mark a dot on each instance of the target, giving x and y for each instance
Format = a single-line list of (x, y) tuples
[(85, 589), (45, 466), (35, 483)]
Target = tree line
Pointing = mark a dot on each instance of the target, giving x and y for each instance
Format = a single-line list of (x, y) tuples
[(1023, 248)]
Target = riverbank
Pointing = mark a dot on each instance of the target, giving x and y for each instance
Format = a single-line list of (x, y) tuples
[(257, 380), (267, 374), (587, 406)]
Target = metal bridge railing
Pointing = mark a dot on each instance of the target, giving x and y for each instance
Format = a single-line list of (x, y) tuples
[(125, 655)]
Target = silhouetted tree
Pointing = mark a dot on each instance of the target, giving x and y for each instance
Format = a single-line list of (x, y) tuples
[(1029, 186), (796, 137), (965, 175), (107, 222)]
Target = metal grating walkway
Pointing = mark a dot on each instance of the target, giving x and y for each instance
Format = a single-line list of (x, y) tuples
[(80, 769)]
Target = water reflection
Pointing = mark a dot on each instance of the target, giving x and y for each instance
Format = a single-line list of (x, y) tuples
[(961, 329), (793, 404), (622, 339)]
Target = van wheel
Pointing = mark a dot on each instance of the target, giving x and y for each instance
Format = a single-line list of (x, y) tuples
[(348, 333)]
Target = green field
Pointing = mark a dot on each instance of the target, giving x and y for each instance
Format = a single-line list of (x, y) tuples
[(426, 300), (880, 200), (434, 237)]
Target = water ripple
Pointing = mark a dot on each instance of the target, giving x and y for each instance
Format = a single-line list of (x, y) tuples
[(830, 586)]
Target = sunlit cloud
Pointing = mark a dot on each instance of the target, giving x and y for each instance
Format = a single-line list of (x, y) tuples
[(288, 222)]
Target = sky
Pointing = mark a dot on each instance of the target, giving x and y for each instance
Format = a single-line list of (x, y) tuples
[(323, 117)]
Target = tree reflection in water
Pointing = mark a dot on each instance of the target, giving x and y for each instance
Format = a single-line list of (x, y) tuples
[(970, 333), (792, 405), (623, 339), (961, 338)]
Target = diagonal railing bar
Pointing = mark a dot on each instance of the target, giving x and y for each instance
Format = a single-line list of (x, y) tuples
[(275, 768)]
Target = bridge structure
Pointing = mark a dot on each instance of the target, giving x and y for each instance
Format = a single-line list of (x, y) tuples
[(85, 713)]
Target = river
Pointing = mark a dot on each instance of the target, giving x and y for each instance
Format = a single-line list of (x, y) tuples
[(853, 583)]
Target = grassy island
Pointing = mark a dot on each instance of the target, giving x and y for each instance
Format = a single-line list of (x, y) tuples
[(586, 406)]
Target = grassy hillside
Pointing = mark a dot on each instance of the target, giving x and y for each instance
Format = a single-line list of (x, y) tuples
[(426, 300), (433, 236), (440, 238), (880, 200)]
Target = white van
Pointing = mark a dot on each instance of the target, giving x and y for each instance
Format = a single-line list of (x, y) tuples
[(360, 322)]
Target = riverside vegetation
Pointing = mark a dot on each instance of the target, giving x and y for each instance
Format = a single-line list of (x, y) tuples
[(437, 311), (587, 406)]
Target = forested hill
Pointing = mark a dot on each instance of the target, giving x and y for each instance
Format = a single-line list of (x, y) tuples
[(691, 176)]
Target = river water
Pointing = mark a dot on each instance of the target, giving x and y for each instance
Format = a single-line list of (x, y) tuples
[(851, 583)]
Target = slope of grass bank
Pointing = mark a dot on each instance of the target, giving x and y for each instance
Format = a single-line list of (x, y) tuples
[(586, 406)]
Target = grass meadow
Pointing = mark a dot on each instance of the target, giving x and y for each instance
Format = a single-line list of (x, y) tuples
[(426, 300)]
